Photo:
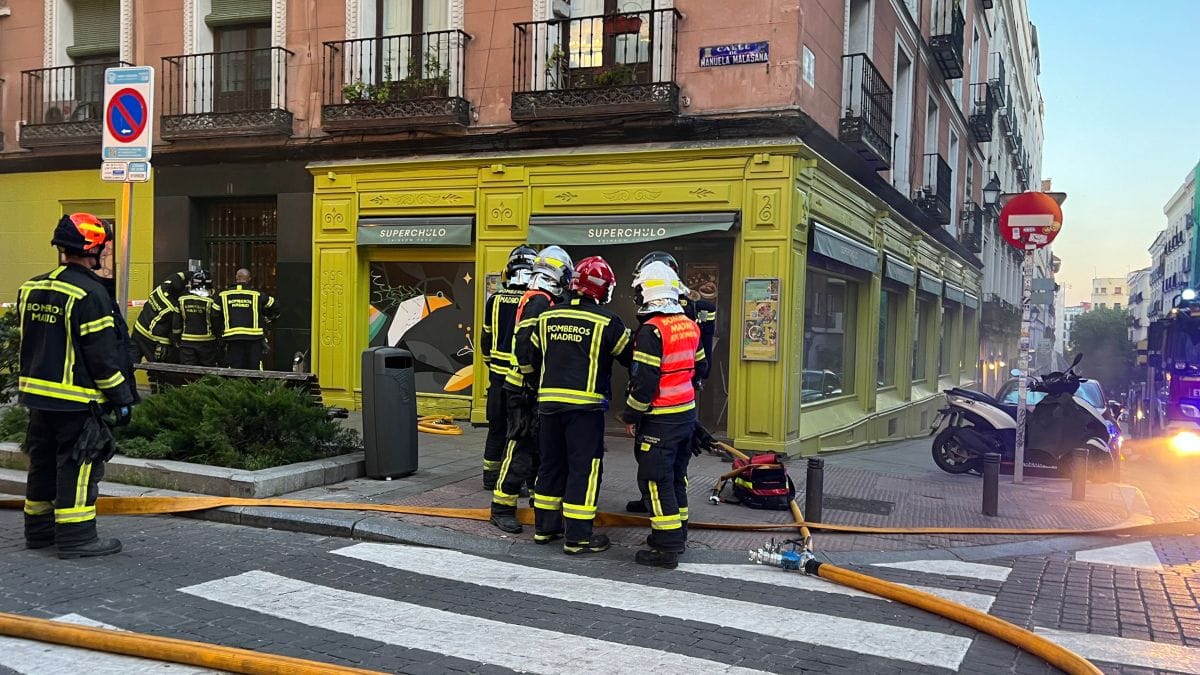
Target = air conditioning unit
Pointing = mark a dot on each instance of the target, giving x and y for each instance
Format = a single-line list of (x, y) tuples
[(561, 9)]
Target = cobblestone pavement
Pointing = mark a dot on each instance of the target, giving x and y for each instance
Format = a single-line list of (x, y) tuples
[(407, 609)]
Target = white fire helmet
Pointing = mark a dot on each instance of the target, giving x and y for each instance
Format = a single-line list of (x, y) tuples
[(656, 289), (552, 270)]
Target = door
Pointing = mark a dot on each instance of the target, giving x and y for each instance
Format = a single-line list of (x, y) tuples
[(238, 234), (408, 51), (608, 43), (902, 123), (242, 68)]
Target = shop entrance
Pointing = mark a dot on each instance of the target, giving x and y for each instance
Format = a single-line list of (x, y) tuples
[(706, 266)]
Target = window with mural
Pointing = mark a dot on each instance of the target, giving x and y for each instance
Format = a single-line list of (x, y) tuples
[(426, 308), (947, 358), (889, 323), (829, 335)]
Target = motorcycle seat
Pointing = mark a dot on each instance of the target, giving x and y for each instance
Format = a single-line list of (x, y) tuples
[(973, 395)]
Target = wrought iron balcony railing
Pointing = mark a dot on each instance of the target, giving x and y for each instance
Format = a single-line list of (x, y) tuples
[(997, 79), (934, 195), (866, 111), (946, 37), (970, 227), (395, 82), (1008, 114), (61, 105), (226, 93), (596, 66), (983, 114)]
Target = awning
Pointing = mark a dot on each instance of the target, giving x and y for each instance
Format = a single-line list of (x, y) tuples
[(954, 293), (843, 249), (898, 271), (625, 228), (929, 283), (970, 301), (416, 231)]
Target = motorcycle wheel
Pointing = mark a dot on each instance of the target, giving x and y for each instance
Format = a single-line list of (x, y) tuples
[(950, 456), (1100, 468)]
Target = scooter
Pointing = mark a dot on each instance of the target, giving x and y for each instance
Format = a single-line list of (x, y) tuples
[(973, 424)]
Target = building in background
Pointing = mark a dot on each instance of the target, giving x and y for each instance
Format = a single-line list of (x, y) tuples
[(1137, 285), (1069, 315), (1110, 292)]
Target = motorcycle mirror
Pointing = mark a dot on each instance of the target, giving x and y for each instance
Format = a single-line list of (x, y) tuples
[(1078, 358), (1016, 372)]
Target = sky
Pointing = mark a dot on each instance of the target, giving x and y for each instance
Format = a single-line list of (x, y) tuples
[(1121, 82)]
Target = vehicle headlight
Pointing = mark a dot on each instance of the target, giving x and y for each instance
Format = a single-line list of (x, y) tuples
[(1186, 443), (1189, 410)]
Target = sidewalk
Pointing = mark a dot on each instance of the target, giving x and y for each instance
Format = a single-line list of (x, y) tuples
[(895, 485)]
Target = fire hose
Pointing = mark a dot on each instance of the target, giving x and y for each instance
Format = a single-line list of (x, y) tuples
[(442, 425)]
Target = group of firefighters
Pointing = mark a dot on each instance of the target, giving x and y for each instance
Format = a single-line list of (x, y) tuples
[(549, 344), (185, 322)]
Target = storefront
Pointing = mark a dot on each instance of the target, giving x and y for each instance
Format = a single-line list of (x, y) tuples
[(814, 334)]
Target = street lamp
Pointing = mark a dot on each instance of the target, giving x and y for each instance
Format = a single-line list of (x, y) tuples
[(991, 191)]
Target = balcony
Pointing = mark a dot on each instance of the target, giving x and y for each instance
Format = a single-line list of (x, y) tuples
[(596, 66), (395, 82), (866, 111), (997, 79), (946, 37), (934, 196), (61, 106), (983, 114), (970, 227), (238, 93), (1008, 113), (1023, 169)]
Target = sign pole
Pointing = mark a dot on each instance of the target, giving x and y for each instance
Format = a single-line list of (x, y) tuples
[(1023, 364), (126, 238)]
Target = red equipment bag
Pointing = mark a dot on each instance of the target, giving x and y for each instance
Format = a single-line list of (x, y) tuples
[(760, 482)]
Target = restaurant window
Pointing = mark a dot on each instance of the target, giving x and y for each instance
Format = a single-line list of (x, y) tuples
[(946, 356), (922, 331), (830, 313), (889, 323)]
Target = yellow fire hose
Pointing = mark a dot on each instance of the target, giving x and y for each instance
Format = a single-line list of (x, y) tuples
[(442, 425)]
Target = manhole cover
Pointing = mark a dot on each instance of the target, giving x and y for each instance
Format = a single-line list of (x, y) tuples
[(871, 506)]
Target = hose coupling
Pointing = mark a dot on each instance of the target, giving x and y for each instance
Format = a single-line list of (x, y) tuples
[(791, 559)]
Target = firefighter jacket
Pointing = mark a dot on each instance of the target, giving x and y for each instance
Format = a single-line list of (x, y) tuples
[(197, 319), (704, 313), (244, 312), (155, 320), (666, 355), (73, 343), (573, 345), (531, 306), (499, 325)]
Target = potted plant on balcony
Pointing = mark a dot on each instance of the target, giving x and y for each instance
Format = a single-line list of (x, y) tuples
[(558, 68), (616, 75), (427, 78), (622, 24)]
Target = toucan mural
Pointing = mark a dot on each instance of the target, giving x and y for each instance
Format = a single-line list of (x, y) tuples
[(426, 308)]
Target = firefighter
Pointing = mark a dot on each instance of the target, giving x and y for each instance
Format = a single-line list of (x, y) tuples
[(495, 344), (244, 315), (151, 335), (197, 324), (660, 411), (574, 345), (551, 273), (703, 312), (75, 366)]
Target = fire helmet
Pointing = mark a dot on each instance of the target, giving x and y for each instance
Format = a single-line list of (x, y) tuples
[(82, 234), (656, 289), (657, 256), (594, 278), (552, 270), (519, 269)]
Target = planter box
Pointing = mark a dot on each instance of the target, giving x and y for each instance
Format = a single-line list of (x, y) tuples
[(217, 481)]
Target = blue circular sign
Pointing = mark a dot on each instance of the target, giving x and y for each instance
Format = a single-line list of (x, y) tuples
[(126, 115)]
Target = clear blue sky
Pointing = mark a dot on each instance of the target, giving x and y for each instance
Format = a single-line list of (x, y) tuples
[(1121, 81)]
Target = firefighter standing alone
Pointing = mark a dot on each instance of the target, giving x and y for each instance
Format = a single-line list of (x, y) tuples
[(197, 324), (661, 408), (244, 315), (75, 364)]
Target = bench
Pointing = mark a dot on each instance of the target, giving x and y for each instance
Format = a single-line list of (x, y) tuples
[(175, 375)]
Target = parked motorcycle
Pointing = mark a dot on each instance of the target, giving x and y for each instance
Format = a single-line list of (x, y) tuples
[(973, 424)]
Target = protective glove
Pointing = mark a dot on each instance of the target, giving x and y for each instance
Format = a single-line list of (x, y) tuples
[(122, 415), (702, 441)]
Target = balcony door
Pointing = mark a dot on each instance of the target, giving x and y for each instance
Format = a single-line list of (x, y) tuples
[(242, 68), (408, 50), (608, 42)]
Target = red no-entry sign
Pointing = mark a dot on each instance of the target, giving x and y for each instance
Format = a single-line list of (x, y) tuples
[(1030, 220)]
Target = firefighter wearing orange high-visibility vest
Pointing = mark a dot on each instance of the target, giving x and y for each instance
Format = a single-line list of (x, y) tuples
[(660, 409)]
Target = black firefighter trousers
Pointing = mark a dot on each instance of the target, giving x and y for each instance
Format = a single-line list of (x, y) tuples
[(663, 448), (244, 354), (520, 459), (497, 419), (198, 353), (60, 492), (571, 449)]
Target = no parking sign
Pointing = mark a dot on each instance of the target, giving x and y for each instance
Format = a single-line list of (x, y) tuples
[(128, 114)]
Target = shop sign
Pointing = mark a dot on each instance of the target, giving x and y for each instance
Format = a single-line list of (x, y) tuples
[(735, 54), (450, 231), (843, 249), (623, 229), (760, 319)]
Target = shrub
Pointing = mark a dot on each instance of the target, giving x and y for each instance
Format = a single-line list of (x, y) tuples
[(234, 423), (13, 422), (10, 355)]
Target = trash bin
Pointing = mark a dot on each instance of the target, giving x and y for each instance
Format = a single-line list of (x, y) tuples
[(389, 412)]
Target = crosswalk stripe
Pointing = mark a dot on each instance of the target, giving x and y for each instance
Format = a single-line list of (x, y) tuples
[(1140, 554), (404, 624), (953, 568), (1127, 651), (42, 658), (804, 582), (863, 637)]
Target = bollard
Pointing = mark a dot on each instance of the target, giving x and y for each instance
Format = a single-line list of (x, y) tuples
[(991, 483), (814, 489), (1079, 469)]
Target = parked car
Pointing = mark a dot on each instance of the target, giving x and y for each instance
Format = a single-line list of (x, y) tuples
[(819, 384)]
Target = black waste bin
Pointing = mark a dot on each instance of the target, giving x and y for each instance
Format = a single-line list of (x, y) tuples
[(389, 412)]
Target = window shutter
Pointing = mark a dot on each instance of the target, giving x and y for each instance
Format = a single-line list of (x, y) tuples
[(97, 28), (234, 12)]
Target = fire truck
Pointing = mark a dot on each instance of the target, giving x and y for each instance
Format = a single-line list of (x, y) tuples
[(1173, 375)]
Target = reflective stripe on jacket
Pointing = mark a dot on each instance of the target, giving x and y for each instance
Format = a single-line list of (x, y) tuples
[(197, 319), (244, 312), (665, 355), (499, 328), (573, 346)]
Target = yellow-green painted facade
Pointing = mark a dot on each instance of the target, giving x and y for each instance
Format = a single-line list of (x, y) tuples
[(32, 204), (779, 188)]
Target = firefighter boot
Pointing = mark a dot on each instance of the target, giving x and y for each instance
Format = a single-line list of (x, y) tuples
[(92, 549), (507, 522), (595, 544), (656, 558)]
